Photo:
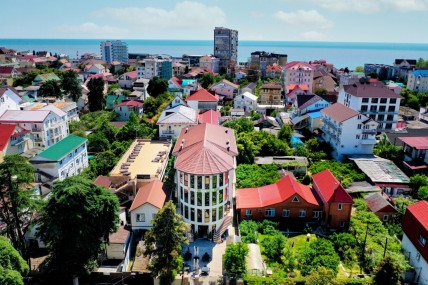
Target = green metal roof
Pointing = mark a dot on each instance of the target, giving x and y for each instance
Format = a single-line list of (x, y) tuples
[(46, 77), (111, 99), (62, 148), (28, 98)]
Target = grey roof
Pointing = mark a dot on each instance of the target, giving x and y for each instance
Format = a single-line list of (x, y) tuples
[(371, 90), (180, 114), (393, 137)]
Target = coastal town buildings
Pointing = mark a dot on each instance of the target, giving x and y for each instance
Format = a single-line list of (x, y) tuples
[(205, 171), (155, 67), (9, 99), (176, 117), (262, 60), (348, 131), (14, 140), (225, 89), (210, 62), (271, 94), (297, 72), (418, 81), (202, 100), (226, 46), (114, 51), (124, 109), (245, 101), (373, 100)]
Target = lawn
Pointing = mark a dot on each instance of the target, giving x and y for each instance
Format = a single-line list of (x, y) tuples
[(297, 242)]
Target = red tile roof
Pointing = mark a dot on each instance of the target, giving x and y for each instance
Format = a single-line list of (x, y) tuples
[(130, 103), (202, 95), (416, 142), (131, 74), (6, 69), (6, 131), (339, 112), (420, 211), (304, 87), (372, 90), (151, 193), (205, 149), (209, 117), (298, 64), (329, 188), (120, 236), (103, 181), (273, 194)]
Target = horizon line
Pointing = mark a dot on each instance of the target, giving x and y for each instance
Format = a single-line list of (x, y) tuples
[(261, 40)]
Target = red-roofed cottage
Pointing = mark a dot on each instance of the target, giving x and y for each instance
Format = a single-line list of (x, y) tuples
[(127, 79), (149, 200), (202, 100), (415, 236), (14, 140), (349, 132), (285, 200), (415, 153), (205, 171), (337, 204), (124, 109)]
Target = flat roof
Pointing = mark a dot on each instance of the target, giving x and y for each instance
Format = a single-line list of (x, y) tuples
[(145, 158), (301, 160), (380, 170)]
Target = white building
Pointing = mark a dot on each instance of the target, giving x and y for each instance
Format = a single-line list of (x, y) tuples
[(66, 158), (225, 88), (70, 108), (210, 62), (348, 131), (151, 67), (14, 140), (306, 110), (226, 46), (124, 110), (297, 72), (46, 127), (414, 242), (202, 100), (9, 99), (374, 100), (95, 68), (205, 172), (127, 79), (176, 117), (418, 81), (246, 101), (149, 200), (114, 51)]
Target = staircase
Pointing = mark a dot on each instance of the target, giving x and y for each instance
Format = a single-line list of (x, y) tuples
[(226, 223)]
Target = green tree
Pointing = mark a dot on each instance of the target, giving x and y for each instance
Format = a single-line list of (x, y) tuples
[(388, 272), (387, 150), (113, 87), (157, 86), (150, 107), (50, 89), (96, 94), (421, 63), (255, 115), (234, 259), (285, 133), (12, 265), (18, 204), (97, 142), (242, 124), (359, 69), (164, 243), (75, 222), (252, 175), (248, 230), (321, 92), (71, 85), (320, 252), (417, 181), (423, 193), (320, 276), (103, 163), (206, 80), (273, 245)]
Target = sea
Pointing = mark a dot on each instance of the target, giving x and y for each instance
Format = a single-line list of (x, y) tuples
[(341, 54)]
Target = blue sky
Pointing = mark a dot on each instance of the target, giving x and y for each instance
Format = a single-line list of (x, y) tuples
[(280, 20)]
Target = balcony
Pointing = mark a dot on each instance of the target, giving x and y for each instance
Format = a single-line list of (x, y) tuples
[(368, 141), (36, 130), (168, 132), (369, 132), (39, 139)]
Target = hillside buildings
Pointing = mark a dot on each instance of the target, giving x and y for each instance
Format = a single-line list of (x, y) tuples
[(205, 172), (226, 46), (151, 67), (210, 62), (300, 73), (262, 60), (114, 51), (418, 81), (373, 100)]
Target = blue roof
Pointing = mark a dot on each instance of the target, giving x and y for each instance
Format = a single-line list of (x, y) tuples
[(187, 82), (315, 115), (423, 73), (295, 141)]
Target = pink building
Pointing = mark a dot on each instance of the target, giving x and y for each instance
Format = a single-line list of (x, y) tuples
[(297, 72)]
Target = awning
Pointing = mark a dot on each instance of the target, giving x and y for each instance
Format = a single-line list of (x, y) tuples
[(297, 120)]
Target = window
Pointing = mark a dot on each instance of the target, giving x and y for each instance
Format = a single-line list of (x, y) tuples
[(388, 126), (422, 240), (392, 101), (359, 126), (141, 217), (391, 109), (317, 214), (383, 100), (375, 100), (373, 108), (365, 100), (295, 199), (286, 213), (339, 207), (359, 117), (380, 117), (302, 213), (385, 218), (270, 212), (364, 108), (357, 137), (382, 108), (390, 117), (342, 224), (418, 256), (248, 212)]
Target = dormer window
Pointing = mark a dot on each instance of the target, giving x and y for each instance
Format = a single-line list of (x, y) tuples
[(422, 240), (295, 199)]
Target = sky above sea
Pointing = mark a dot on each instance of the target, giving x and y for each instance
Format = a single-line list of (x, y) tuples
[(277, 20), (341, 54)]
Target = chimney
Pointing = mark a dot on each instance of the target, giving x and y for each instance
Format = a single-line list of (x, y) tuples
[(187, 129)]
